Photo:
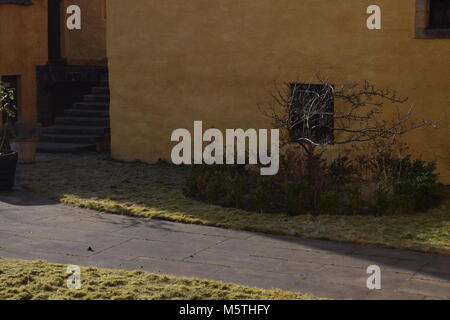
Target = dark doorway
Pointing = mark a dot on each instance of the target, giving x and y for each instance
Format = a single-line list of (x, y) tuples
[(59, 86), (54, 32), (64, 95)]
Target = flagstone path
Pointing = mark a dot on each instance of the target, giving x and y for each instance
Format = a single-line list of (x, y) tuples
[(32, 227)]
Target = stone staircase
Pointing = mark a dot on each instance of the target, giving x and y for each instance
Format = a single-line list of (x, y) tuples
[(82, 125)]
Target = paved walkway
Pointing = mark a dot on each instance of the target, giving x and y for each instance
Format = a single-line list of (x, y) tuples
[(32, 227)]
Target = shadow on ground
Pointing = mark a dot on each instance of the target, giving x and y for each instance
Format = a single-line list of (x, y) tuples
[(146, 191)]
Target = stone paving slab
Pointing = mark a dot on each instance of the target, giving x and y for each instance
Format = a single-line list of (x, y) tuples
[(428, 288), (256, 278), (235, 259), (331, 290), (173, 267), (32, 227)]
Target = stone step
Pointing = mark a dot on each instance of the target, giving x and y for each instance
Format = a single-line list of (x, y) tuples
[(70, 138), (96, 97), (51, 147), (100, 90), (68, 129), (86, 113), (91, 105), (80, 121)]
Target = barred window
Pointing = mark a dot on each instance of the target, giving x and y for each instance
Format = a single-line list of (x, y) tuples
[(12, 82), (312, 113), (439, 14)]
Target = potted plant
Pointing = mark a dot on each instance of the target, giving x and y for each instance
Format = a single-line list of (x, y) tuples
[(25, 141), (8, 158)]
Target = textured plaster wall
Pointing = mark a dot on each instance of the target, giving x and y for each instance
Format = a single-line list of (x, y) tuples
[(88, 45), (172, 62), (23, 45)]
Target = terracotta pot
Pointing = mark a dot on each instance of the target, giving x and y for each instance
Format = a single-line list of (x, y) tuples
[(8, 164), (26, 150)]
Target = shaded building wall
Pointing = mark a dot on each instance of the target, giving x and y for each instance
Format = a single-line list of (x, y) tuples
[(172, 62), (88, 45), (23, 46)]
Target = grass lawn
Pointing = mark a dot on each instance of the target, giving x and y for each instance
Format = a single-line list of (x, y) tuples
[(155, 191), (42, 280)]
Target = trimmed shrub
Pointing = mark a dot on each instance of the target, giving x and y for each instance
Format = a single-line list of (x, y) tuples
[(390, 185)]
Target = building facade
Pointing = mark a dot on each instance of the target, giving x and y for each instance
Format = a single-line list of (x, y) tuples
[(172, 62), (19, 55), (34, 40)]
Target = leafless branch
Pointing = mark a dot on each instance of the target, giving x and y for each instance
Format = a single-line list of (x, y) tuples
[(324, 113)]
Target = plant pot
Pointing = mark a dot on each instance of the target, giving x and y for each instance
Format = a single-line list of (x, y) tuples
[(26, 150), (8, 164)]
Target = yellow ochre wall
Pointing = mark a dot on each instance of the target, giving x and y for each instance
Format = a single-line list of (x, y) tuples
[(172, 62), (88, 45), (23, 46)]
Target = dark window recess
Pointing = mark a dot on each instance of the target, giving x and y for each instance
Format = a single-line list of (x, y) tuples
[(439, 14), (12, 82), (19, 2), (312, 113)]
